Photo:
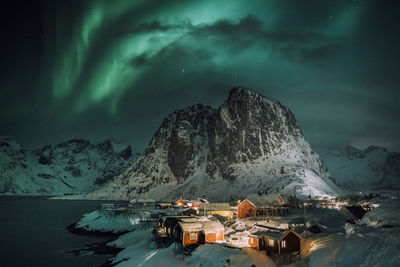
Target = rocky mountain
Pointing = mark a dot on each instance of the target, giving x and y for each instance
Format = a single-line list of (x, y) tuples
[(372, 169), (248, 144), (74, 166)]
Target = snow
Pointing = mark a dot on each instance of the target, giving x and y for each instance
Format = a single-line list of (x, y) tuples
[(95, 221), (359, 170), (286, 163), (72, 167), (385, 214)]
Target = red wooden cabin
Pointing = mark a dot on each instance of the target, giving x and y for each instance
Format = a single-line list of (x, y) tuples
[(246, 209)]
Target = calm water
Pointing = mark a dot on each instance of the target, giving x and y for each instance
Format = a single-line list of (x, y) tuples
[(32, 232)]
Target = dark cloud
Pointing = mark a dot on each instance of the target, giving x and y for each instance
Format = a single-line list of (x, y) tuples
[(334, 63)]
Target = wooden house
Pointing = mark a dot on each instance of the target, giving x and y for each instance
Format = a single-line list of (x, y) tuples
[(287, 242), (213, 231), (246, 208), (189, 233), (181, 203), (221, 209), (194, 204), (257, 241), (171, 221)]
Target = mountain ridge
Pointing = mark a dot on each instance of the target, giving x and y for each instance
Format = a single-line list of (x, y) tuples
[(249, 142), (73, 166)]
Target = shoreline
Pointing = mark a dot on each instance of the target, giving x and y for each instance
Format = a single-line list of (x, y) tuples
[(100, 248)]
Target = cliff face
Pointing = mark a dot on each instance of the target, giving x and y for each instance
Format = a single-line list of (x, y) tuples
[(249, 143)]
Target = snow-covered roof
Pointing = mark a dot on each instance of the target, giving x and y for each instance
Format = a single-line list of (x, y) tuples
[(215, 206), (212, 226), (187, 220), (190, 226), (281, 235), (266, 200)]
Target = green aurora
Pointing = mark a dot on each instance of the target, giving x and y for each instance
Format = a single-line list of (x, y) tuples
[(99, 69)]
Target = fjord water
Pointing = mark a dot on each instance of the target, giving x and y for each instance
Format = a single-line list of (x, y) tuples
[(32, 232)]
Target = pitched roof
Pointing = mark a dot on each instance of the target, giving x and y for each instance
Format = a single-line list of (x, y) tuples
[(246, 200), (212, 226), (190, 226), (266, 200), (279, 235)]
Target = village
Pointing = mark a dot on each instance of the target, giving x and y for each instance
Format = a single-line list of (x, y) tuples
[(274, 228)]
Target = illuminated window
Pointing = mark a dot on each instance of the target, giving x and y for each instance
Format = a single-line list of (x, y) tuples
[(283, 244), (271, 242), (193, 236), (190, 204)]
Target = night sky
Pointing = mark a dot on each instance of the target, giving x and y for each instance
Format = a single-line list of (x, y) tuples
[(102, 69)]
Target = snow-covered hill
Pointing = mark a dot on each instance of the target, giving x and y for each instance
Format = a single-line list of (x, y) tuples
[(249, 143), (74, 166), (372, 169)]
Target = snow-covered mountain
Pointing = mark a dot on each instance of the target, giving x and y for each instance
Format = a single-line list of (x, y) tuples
[(74, 166), (249, 143), (369, 170)]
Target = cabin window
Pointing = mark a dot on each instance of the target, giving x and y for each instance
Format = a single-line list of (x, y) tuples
[(283, 244), (193, 236), (271, 242)]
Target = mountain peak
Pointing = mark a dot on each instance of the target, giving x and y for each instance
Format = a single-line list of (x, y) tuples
[(242, 93), (249, 142)]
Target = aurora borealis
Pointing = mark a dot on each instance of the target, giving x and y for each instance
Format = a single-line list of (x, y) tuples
[(100, 69)]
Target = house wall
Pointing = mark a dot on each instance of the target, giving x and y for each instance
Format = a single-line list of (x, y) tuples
[(268, 248), (292, 244), (187, 241), (257, 242), (246, 209), (180, 203), (253, 242), (211, 237), (220, 236)]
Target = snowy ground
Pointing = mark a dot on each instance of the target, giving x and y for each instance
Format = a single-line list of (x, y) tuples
[(368, 243), (373, 241), (95, 221), (141, 250)]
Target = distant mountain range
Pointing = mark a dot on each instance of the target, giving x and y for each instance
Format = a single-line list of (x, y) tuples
[(248, 144), (373, 169), (74, 166)]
